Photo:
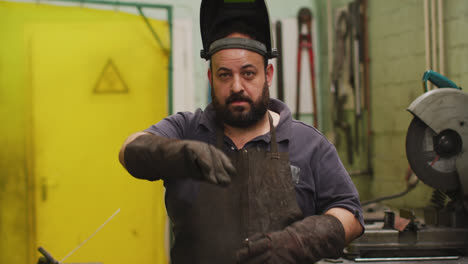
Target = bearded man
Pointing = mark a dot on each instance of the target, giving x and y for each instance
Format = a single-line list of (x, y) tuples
[(245, 183)]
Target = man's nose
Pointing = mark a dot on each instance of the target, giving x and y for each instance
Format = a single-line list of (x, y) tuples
[(236, 85)]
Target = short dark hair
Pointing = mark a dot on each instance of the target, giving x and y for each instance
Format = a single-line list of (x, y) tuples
[(227, 28)]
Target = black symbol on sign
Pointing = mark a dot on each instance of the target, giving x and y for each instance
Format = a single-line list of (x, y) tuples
[(110, 80)]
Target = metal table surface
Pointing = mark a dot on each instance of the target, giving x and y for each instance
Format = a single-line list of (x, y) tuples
[(461, 260)]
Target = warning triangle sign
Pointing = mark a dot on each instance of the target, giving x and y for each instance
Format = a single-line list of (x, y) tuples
[(110, 80)]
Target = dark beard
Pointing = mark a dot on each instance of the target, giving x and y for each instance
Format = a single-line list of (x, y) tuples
[(237, 118)]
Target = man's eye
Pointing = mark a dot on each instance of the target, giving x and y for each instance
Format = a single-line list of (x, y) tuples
[(223, 75), (249, 74)]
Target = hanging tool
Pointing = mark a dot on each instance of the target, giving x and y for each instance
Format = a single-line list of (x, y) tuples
[(47, 257), (305, 42), (355, 41), (367, 97), (341, 33), (346, 127), (279, 60)]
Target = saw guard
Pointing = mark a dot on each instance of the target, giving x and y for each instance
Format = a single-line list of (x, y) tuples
[(442, 109)]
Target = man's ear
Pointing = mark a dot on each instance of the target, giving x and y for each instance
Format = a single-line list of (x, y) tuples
[(269, 73), (209, 76)]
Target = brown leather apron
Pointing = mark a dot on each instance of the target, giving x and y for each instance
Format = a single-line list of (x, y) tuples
[(260, 199)]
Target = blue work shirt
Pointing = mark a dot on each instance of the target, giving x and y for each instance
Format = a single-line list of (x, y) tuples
[(320, 179)]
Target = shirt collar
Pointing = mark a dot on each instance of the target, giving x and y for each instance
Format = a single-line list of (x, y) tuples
[(284, 126), (208, 120)]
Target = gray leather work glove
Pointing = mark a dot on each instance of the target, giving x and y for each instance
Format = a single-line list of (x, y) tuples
[(153, 157), (306, 241)]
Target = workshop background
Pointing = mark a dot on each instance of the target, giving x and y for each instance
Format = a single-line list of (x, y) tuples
[(78, 77)]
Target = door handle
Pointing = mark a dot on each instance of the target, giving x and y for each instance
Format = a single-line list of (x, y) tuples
[(44, 189), (45, 185)]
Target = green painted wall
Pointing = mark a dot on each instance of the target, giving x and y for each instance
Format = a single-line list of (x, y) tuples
[(397, 53), (456, 41)]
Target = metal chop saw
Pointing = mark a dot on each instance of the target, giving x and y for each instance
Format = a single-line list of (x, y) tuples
[(437, 151), (437, 147)]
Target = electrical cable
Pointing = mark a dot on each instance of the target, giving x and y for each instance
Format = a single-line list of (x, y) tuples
[(388, 197), (410, 187)]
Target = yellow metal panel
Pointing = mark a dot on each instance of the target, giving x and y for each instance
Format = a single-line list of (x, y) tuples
[(77, 133)]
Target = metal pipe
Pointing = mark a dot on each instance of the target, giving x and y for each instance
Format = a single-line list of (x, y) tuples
[(155, 35), (279, 60), (427, 35), (310, 48), (441, 37), (434, 36), (330, 70), (405, 259), (138, 6), (170, 69), (330, 38), (367, 85), (298, 74), (312, 80), (357, 78)]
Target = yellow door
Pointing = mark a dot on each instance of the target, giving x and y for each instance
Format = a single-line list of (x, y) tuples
[(93, 83)]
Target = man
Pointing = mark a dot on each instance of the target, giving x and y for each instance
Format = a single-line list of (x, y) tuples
[(244, 182)]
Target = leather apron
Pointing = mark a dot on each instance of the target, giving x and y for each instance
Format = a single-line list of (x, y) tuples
[(260, 199)]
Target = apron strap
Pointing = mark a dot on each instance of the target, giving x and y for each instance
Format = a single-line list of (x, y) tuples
[(273, 143), (219, 137)]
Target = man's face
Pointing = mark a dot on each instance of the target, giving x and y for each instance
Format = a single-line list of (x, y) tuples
[(240, 86)]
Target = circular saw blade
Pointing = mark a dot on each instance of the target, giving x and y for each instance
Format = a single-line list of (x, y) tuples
[(434, 170)]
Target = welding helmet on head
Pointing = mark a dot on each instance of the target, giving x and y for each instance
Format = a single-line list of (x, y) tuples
[(215, 14)]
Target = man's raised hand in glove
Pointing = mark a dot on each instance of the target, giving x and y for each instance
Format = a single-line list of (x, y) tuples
[(306, 241), (151, 157)]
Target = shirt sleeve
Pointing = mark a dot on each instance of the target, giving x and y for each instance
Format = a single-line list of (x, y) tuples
[(334, 185), (171, 127)]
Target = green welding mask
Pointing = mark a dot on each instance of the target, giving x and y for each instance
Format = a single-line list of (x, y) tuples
[(218, 14)]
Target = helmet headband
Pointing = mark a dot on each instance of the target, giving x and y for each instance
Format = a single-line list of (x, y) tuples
[(238, 43)]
